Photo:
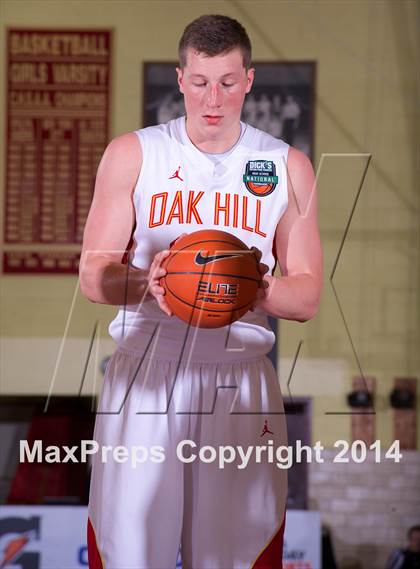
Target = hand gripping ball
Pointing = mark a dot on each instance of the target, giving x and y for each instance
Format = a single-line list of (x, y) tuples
[(212, 278)]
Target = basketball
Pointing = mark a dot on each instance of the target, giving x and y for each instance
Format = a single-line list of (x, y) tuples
[(212, 278)]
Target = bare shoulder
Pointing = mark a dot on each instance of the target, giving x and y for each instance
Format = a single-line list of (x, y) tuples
[(298, 163), (122, 155), (128, 142), (301, 178)]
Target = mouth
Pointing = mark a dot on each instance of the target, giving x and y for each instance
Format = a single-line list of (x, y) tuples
[(213, 119)]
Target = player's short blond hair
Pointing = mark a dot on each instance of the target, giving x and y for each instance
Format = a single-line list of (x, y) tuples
[(213, 35)]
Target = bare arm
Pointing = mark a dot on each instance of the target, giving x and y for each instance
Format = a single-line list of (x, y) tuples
[(103, 276), (296, 294)]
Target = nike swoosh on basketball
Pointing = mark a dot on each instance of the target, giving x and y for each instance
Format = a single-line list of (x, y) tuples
[(200, 260)]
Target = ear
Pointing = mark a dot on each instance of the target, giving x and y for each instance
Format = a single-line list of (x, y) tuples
[(250, 79), (180, 76)]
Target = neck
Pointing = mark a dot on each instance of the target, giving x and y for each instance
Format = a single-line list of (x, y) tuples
[(213, 145)]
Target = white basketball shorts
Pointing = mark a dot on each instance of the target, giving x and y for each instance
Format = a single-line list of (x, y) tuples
[(187, 457)]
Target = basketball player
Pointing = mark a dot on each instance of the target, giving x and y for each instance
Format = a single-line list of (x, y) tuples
[(174, 393)]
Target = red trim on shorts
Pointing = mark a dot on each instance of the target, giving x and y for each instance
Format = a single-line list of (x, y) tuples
[(94, 556), (271, 557)]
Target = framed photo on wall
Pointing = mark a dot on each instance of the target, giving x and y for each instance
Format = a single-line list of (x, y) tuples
[(281, 101)]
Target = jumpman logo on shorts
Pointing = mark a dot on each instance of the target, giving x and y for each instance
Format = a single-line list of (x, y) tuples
[(266, 429), (176, 174)]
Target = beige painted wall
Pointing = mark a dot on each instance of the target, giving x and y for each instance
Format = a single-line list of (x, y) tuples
[(367, 97)]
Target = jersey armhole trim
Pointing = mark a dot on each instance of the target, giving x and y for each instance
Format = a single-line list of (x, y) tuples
[(284, 159), (286, 174), (136, 193)]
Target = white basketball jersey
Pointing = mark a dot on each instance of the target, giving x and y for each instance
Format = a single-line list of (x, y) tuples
[(180, 189)]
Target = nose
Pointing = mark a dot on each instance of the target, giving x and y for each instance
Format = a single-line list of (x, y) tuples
[(214, 96)]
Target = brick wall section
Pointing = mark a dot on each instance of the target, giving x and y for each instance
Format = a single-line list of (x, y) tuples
[(368, 507)]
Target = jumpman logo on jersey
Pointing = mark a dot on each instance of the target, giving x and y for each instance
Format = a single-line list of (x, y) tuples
[(266, 429), (176, 174)]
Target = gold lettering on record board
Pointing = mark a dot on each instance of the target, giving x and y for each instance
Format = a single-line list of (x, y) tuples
[(58, 105), (59, 44)]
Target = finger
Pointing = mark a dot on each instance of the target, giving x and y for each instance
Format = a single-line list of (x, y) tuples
[(158, 258), (162, 256), (158, 290), (264, 268), (264, 284), (257, 253), (164, 305), (261, 294), (260, 297), (155, 264), (156, 270), (158, 273)]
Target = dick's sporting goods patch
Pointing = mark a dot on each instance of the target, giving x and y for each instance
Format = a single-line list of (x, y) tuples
[(260, 177)]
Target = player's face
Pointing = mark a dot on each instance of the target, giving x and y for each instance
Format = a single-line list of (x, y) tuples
[(214, 89)]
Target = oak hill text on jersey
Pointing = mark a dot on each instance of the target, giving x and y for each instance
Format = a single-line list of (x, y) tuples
[(229, 210)]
